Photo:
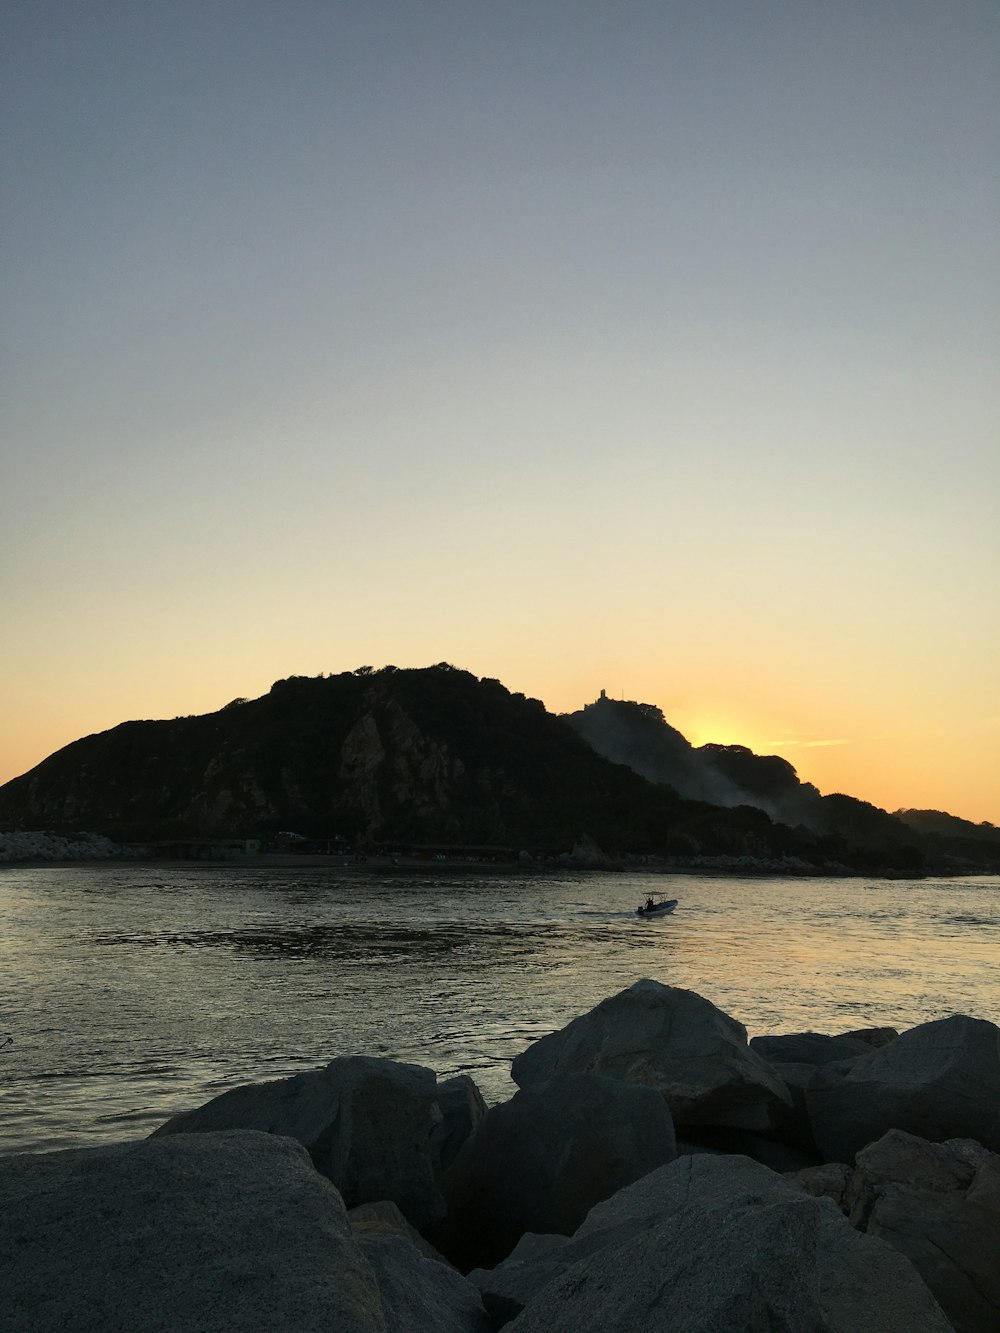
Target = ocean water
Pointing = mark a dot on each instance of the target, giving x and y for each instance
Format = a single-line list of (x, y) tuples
[(129, 993)]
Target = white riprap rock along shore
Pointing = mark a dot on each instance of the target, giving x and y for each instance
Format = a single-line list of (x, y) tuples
[(52, 847)]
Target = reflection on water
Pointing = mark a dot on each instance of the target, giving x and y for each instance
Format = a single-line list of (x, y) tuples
[(132, 992)]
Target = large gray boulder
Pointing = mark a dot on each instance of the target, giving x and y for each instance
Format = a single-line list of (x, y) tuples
[(371, 1126), (829, 1180), (236, 1232), (937, 1203), (779, 1155), (384, 1219), (418, 1293), (872, 1036), (712, 1244), (671, 1040), (808, 1048), (462, 1107), (796, 1127), (534, 1261), (938, 1081), (542, 1160)]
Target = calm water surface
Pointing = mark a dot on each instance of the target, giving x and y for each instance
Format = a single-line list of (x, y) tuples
[(130, 993)]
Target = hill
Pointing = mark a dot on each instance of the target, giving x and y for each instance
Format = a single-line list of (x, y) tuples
[(435, 755), (638, 735), (848, 829), (427, 755)]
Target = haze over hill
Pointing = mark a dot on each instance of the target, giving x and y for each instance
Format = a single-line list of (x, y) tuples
[(437, 755), (639, 736)]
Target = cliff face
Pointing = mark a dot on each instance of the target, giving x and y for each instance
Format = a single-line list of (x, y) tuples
[(433, 754)]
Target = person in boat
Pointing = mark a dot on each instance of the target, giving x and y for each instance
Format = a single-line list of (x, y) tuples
[(649, 902)]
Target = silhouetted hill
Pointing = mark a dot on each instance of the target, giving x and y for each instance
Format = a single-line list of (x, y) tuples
[(436, 755), (846, 829), (936, 821), (948, 835), (422, 755), (638, 735)]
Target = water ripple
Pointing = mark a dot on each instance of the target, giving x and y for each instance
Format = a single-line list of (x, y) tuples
[(133, 993)]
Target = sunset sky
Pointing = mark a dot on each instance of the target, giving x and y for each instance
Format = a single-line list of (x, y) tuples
[(650, 347)]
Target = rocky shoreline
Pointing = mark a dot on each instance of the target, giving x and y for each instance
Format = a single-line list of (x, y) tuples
[(22, 848), (44, 848), (41, 847), (656, 1170), (37, 849)]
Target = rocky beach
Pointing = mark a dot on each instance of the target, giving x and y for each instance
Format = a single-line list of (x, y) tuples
[(655, 1169)]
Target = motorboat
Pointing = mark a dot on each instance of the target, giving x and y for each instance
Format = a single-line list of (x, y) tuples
[(662, 908)]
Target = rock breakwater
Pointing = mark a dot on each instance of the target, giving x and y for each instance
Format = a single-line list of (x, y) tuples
[(629, 1184)]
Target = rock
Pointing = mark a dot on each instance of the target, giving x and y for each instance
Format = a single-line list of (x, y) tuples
[(39, 846), (384, 1219), (939, 1204), (672, 1040), (796, 1077), (462, 1107), (872, 1036), (508, 1288), (587, 853), (899, 1158), (711, 1244), (370, 1125), (795, 1126), (420, 1293), (540, 1162), (940, 1080), (829, 1180), (236, 1232), (808, 1048), (772, 1152)]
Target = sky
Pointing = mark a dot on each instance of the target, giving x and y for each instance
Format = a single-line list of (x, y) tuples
[(647, 347)]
